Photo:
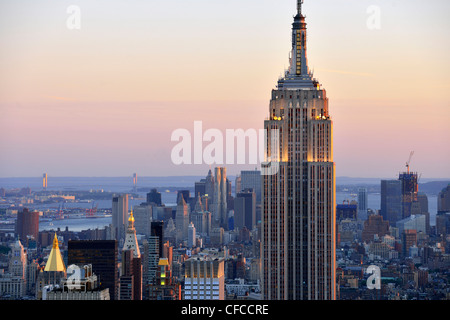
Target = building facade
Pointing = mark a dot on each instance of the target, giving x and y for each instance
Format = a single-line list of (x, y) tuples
[(165, 286), (27, 224), (182, 220), (87, 287), (410, 190), (143, 216), (251, 180), (119, 217), (298, 211), (103, 256), (363, 202), (444, 200), (131, 265), (391, 200), (245, 209), (220, 213), (204, 279)]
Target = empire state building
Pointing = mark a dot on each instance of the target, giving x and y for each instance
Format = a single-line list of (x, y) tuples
[(298, 221)]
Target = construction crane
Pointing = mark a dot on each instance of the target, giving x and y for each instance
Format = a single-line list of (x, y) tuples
[(91, 212), (409, 160)]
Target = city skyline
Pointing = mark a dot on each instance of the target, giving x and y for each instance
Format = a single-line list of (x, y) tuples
[(71, 99), (138, 163)]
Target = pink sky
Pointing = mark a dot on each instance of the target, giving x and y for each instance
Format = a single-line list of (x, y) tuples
[(104, 100)]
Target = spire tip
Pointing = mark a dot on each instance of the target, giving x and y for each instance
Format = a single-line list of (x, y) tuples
[(299, 7)]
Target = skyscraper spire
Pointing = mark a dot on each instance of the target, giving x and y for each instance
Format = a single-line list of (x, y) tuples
[(298, 76), (298, 221), (55, 260), (131, 220), (299, 7), (131, 242)]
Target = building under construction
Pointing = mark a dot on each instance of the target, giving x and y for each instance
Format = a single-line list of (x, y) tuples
[(410, 189)]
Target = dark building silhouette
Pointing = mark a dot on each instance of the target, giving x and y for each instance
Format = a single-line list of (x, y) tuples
[(391, 200), (27, 224), (130, 280), (157, 230), (154, 197), (346, 211), (102, 255), (444, 200), (245, 209), (185, 194), (200, 188), (410, 189), (443, 223)]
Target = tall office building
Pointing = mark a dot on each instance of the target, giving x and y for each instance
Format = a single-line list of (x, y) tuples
[(119, 217), (443, 215), (443, 223), (201, 218), (131, 242), (127, 280), (200, 188), (363, 202), (391, 200), (191, 236), (220, 212), (237, 184), (152, 256), (444, 200), (143, 216), (131, 256), (157, 230), (182, 220), (298, 211), (27, 224), (251, 180), (17, 264), (102, 255), (17, 269), (209, 188), (410, 189), (245, 209), (153, 251), (422, 201), (135, 178), (154, 197), (44, 181)]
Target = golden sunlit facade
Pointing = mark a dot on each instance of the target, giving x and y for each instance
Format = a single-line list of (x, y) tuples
[(55, 261), (204, 279), (298, 223)]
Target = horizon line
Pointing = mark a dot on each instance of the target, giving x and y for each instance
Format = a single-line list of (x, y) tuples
[(199, 175)]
